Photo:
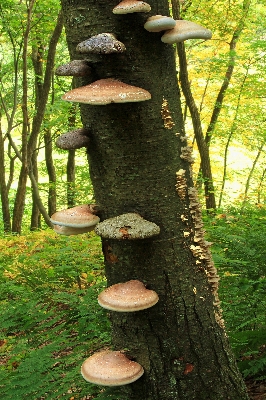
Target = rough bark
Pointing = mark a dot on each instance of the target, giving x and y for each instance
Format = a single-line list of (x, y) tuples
[(136, 150)]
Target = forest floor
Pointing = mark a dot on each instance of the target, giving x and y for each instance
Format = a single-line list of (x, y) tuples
[(256, 389)]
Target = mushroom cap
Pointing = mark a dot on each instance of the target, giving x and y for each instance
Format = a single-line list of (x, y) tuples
[(74, 68), (127, 297), (104, 43), (185, 30), (131, 6), (73, 140), (127, 226), (106, 91), (110, 368), (76, 217), (68, 230), (158, 23)]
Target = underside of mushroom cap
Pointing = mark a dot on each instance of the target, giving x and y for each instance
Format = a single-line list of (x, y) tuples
[(127, 226), (104, 43), (131, 6), (73, 140), (158, 23), (110, 368), (127, 297), (185, 30), (68, 230), (81, 216), (74, 68), (106, 91)]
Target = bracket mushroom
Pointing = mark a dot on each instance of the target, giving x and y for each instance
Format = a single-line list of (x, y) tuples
[(106, 91), (127, 226), (110, 368), (158, 23), (127, 297), (184, 30), (104, 43), (74, 68), (75, 220), (73, 140), (131, 6)]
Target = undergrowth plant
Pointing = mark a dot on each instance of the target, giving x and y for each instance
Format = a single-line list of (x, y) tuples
[(50, 318), (240, 255)]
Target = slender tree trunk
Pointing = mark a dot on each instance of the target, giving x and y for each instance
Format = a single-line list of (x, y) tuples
[(35, 212), (260, 185), (229, 72), (19, 203), (199, 136), (230, 135), (51, 171), (71, 160), (136, 150), (3, 185), (250, 176), (30, 136), (71, 176), (195, 116)]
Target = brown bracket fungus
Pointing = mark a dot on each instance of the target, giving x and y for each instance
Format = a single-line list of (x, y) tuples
[(74, 68), (73, 140), (110, 368), (79, 219), (131, 6), (184, 30), (127, 226), (106, 91), (158, 23), (104, 43), (127, 297)]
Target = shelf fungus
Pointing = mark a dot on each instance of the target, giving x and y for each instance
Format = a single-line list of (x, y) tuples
[(131, 6), (73, 140), (181, 183), (166, 115), (158, 23), (104, 43), (184, 30), (127, 297), (201, 251), (127, 226), (110, 368), (75, 220), (106, 91), (74, 68)]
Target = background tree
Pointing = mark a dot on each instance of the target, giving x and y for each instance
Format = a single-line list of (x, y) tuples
[(139, 161), (233, 57)]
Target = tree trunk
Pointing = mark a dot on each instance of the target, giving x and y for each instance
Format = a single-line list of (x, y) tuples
[(204, 152), (35, 222), (245, 199), (71, 176), (229, 72), (48, 147), (3, 186), (30, 134), (136, 150)]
